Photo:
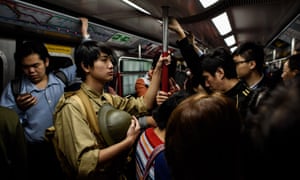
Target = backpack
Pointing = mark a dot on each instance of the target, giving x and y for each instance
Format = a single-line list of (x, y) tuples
[(16, 83)]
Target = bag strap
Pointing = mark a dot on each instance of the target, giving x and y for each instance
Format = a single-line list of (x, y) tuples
[(62, 76), (16, 83), (151, 158), (15, 87), (91, 115)]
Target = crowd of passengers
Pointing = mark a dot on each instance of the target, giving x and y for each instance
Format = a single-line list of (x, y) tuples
[(224, 119)]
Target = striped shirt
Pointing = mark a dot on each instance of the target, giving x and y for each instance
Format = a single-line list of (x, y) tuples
[(147, 142)]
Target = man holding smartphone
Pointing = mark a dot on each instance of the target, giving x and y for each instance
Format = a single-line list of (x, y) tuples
[(40, 91)]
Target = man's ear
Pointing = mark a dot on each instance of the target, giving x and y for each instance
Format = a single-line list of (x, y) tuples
[(252, 64), (220, 74), (47, 62), (84, 68)]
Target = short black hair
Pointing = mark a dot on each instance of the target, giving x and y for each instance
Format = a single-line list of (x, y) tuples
[(252, 51), (87, 53), (162, 113)]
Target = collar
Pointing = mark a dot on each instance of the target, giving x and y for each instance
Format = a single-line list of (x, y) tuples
[(256, 85), (92, 93)]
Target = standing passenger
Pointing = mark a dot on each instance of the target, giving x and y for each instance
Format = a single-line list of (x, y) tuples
[(13, 153), (39, 93), (75, 85), (153, 137), (142, 84), (291, 68), (202, 139), (249, 60), (87, 155), (276, 135), (220, 76), (192, 55)]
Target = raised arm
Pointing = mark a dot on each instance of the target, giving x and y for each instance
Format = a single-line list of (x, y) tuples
[(150, 95), (84, 28)]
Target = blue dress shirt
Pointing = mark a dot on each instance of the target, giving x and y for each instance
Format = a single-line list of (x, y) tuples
[(39, 117)]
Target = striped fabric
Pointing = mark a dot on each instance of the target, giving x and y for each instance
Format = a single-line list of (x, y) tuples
[(147, 142)]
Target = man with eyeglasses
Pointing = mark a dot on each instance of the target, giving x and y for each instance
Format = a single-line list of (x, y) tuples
[(249, 60), (249, 65)]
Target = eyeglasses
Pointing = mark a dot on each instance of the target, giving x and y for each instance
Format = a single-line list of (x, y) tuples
[(240, 62)]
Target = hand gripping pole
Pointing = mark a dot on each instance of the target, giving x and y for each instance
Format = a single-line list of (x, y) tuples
[(165, 78)]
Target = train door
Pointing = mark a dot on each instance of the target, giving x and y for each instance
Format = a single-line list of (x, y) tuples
[(7, 62)]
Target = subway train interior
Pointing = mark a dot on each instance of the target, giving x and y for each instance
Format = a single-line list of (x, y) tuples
[(134, 29)]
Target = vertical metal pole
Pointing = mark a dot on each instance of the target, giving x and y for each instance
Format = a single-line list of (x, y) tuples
[(165, 78), (165, 10), (292, 46), (274, 54), (140, 51)]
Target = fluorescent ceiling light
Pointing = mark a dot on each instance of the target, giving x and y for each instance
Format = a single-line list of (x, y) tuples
[(207, 3), (233, 48), (222, 23), (136, 7), (230, 40)]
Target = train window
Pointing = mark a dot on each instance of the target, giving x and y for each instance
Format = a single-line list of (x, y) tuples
[(129, 64), (128, 84), (57, 62), (61, 56), (130, 68)]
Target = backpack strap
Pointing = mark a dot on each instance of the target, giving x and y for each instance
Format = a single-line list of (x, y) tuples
[(151, 158), (91, 115), (62, 76), (16, 87), (16, 83)]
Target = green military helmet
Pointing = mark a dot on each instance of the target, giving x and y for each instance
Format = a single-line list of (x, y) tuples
[(113, 124)]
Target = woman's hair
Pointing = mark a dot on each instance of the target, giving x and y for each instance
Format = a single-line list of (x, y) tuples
[(87, 53), (202, 138)]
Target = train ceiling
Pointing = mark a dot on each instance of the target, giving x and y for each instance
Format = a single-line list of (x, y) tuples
[(263, 21)]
